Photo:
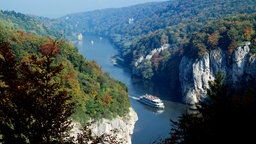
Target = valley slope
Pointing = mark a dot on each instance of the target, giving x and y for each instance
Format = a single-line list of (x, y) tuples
[(152, 37), (95, 93)]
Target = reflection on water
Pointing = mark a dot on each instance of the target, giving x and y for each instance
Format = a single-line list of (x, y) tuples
[(152, 124)]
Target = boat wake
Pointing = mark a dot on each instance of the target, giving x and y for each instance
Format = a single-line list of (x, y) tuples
[(133, 97)]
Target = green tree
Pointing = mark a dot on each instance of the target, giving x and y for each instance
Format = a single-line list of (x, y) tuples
[(34, 105), (146, 69), (164, 39), (223, 117), (35, 108)]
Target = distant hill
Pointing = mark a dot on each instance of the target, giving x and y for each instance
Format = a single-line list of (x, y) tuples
[(26, 23), (108, 21), (149, 17)]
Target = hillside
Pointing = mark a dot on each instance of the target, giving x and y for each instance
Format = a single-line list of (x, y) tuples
[(217, 74), (95, 93), (185, 17), (227, 46), (28, 24), (108, 22), (139, 31)]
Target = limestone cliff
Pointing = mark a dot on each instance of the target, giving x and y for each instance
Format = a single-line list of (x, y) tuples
[(123, 125), (194, 74)]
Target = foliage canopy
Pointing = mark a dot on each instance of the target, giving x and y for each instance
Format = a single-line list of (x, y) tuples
[(34, 106), (95, 93)]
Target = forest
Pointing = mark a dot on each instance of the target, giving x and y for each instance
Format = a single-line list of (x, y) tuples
[(153, 25), (18, 21), (187, 17), (187, 28), (95, 93), (227, 34)]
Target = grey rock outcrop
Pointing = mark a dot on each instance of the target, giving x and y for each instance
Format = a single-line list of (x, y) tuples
[(194, 74), (124, 127)]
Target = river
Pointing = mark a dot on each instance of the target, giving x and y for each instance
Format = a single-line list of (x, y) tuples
[(152, 124)]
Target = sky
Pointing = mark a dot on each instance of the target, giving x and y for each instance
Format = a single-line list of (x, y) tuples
[(58, 8)]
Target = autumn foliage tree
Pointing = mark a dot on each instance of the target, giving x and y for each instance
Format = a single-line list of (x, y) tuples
[(213, 39), (34, 107)]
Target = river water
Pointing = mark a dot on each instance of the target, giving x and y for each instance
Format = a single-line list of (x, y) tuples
[(152, 124)]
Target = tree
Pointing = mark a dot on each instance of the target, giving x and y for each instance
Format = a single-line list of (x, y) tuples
[(164, 39), (224, 116), (213, 39), (146, 69), (248, 33), (34, 107)]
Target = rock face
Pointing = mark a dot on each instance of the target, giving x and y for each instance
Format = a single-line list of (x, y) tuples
[(194, 74), (123, 125)]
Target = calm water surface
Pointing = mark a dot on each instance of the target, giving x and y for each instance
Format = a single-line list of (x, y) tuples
[(152, 124)]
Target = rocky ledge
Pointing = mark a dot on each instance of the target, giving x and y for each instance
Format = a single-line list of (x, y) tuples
[(121, 127), (194, 74)]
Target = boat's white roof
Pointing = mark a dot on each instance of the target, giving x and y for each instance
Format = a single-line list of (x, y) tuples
[(150, 97)]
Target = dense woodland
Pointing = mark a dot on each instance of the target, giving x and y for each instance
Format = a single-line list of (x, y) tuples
[(139, 29), (227, 114), (18, 21), (95, 93), (35, 105), (186, 17), (35, 108), (189, 27)]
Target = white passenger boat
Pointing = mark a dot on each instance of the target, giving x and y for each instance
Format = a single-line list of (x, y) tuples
[(152, 101), (80, 37)]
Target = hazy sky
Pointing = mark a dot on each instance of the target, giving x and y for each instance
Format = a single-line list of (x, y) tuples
[(57, 8)]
